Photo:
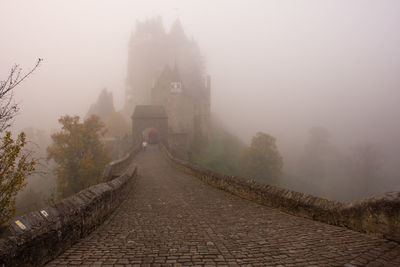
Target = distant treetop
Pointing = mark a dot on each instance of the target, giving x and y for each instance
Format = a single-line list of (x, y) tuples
[(103, 106)]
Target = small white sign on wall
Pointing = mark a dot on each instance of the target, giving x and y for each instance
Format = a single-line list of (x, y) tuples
[(20, 224), (44, 213)]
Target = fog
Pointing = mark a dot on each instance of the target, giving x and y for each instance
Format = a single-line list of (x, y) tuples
[(280, 67)]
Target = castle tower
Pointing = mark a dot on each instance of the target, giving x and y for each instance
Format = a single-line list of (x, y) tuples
[(167, 69), (146, 58)]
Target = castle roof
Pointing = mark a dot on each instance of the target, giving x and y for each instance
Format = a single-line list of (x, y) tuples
[(176, 32), (149, 111)]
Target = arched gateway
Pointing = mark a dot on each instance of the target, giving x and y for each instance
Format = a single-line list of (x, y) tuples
[(149, 117)]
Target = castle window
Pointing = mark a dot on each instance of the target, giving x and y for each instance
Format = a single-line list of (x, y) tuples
[(176, 87)]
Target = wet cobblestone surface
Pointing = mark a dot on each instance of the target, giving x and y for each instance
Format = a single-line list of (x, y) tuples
[(173, 219)]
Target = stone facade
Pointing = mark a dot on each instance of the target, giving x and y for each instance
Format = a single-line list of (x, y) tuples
[(188, 110), (166, 68), (149, 116)]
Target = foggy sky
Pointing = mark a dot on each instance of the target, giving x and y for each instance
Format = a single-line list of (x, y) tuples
[(276, 66)]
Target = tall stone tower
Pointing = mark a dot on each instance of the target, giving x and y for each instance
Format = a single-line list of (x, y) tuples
[(166, 68), (146, 58)]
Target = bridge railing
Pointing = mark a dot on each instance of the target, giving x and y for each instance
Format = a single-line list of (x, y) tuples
[(38, 237), (117, 167), (378, 215)]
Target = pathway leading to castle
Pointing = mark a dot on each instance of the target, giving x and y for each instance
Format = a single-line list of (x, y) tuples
[(173, 219)]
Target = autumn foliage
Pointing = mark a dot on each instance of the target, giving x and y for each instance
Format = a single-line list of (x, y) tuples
[(79, 154), (15, 165)]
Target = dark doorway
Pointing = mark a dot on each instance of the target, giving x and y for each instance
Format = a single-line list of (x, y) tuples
[(148, 117), (151, 135)]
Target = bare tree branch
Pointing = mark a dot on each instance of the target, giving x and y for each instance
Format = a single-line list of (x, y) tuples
[(8, 109)]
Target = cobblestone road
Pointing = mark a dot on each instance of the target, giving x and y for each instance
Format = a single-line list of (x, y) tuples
[(173, 219)]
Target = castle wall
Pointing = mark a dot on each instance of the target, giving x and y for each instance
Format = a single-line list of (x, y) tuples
[(178, 144), (151, 52), (188, 112), (140, 124)]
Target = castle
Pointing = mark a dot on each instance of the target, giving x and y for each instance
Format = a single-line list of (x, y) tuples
[(166, 69)]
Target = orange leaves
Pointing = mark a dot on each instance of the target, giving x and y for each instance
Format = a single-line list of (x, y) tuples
[(15, 166), (79, 154)]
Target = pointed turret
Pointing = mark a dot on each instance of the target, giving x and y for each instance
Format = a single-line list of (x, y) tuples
[(176, 33)]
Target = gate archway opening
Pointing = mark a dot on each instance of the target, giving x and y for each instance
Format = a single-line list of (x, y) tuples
[(151, 135), (150, 121)]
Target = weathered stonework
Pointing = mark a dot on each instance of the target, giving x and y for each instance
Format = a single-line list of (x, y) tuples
[(52, 230), (378, 215), (149, 116), (117, 167), (187, 107), (167, 69)]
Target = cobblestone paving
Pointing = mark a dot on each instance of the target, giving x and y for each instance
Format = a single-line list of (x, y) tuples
[(173, 219)]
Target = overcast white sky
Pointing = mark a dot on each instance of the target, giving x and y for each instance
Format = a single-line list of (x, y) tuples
[(276, 66)]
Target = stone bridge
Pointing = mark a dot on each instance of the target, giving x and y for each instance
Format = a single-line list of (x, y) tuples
[(171, 218)]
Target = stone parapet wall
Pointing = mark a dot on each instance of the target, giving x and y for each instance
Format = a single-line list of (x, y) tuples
[(378, 215), (40, 236), (117, 167)]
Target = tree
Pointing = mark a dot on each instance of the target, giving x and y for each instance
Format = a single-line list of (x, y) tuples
[(222, 153), (15, 166), (262, 160), (367, 167), (117, 136), (15, 163), (79, 154), (103, 106), (41, 185), (317, 153), (8, 109)]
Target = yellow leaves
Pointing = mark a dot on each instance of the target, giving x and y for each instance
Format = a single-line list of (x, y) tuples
[(79, 154), (15, 166)]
